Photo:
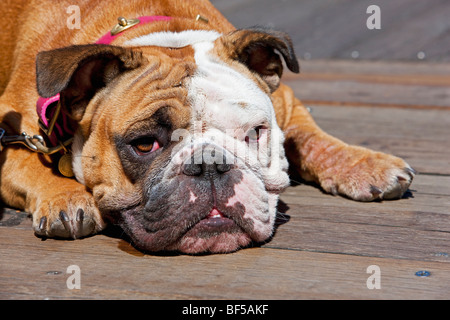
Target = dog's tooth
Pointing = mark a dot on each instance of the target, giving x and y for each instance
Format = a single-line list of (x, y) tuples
[(215, 214)]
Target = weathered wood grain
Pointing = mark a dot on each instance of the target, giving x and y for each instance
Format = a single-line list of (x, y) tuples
[(108, 271), (421, 137), (379, 84), (413, 228)]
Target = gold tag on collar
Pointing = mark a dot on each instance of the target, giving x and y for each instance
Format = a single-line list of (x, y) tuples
[(201, 18), (123, 24), (65, 165)]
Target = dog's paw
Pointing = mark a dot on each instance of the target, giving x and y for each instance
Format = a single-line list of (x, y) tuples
[(365, 175), (67, 215)]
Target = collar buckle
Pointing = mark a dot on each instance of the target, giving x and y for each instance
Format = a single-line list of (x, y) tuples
[(123, 24)]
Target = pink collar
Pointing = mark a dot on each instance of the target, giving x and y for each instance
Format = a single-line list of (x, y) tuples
[(47, 108)]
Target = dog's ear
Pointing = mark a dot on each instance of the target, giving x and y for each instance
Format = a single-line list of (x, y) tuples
[(257, 48), (78, 72)]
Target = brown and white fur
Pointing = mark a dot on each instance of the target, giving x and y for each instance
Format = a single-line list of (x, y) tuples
[(185, 88)]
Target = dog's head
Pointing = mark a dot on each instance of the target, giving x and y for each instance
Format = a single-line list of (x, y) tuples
[(177, 135)]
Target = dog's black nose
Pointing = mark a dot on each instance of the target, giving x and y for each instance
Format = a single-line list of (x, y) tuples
[(208, 162)]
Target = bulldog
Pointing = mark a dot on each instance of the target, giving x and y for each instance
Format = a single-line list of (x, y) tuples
[(176, 126)]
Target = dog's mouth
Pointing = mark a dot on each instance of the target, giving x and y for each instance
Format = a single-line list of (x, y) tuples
[(215, 233), (202, 215), (218, 231), (215, 221)]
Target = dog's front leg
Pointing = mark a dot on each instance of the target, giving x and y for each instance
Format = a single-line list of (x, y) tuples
[(356, 172), (60, 207)]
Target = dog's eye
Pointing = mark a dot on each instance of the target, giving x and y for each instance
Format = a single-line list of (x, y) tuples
[(145, 145), (255, 134)]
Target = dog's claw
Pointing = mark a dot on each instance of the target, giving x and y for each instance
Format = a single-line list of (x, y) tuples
[(80, 215), (42, 223), (66, 223), (64, 216), (410, 171), (65, 220), (79, 219), (72, 218), (375, 191)]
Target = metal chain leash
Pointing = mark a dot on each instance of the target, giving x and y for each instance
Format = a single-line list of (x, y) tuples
[(34, 143)]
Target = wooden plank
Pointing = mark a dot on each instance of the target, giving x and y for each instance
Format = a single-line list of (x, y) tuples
[(404, 72), (415, 228), (381, 84), (418, 136), (33, 269)]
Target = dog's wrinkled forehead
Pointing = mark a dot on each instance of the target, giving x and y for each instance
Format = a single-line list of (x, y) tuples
[(220, 96)]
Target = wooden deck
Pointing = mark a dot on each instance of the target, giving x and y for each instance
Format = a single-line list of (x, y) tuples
[(326, 243)]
